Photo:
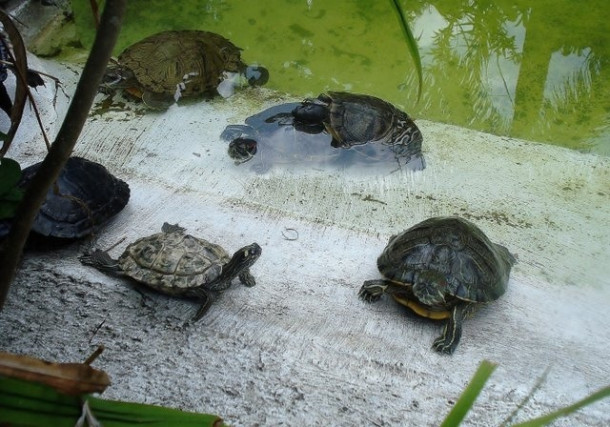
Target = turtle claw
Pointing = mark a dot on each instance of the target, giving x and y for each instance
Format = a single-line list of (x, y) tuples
[(367, 296), (372, 290), (246, 278), (447, 342)]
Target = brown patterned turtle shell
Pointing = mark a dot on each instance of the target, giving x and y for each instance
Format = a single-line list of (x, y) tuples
[(177, 64)]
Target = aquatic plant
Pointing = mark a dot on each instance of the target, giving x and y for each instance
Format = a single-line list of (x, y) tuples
[(411, 44), (478, 381)]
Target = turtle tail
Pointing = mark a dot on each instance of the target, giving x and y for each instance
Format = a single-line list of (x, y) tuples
[(100, 260)]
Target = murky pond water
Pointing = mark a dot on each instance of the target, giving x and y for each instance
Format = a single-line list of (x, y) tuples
[(534, 70)]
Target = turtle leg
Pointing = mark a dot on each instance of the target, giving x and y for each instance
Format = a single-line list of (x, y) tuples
[(337, 139), (206, 301), (372, 290), (100, 260), (452, 330), (246, 278)]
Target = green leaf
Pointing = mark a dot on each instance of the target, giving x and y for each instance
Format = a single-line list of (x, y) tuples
[(527, 398), (24, 403), (546, 419), (15, 194), (10, 172), (7, 209), (470, 394)]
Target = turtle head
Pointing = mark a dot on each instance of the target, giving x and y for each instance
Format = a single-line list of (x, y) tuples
[(256, 75), (117, 77), (430, 287), (240, 264), (242, 149), (246, 256), (311, 112)]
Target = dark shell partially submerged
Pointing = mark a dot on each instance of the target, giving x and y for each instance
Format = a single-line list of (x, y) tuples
[(83, 198)]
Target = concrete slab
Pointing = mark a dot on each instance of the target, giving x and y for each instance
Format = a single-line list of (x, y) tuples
[(300, 348)]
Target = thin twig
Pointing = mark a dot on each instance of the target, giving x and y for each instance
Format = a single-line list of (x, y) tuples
[(99, 350)]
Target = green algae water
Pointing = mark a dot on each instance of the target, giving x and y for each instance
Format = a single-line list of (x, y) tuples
[(533, 70)]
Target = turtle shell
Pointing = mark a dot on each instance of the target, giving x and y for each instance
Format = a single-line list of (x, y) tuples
[(191, 60), (82, 199), (355, 119), (173, 262), (474, 268)]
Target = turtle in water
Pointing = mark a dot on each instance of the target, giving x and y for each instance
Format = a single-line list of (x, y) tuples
[(178, 264), (82, 199), (169, 65), (442, 268), (355, 119), (274, 137)]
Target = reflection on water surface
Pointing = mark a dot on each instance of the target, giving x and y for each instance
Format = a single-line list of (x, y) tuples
[(534, 70)]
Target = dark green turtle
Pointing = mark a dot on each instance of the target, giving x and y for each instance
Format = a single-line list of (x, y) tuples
[(170, 65), (178, 264), (83, 198), (355, 119), (442, 268)]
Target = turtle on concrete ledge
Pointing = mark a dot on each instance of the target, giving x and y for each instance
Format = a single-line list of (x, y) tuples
[(82, 199), (442, 268), (178, 264)]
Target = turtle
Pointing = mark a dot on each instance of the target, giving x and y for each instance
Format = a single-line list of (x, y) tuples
[(82, 199), (442, 268), (355, 119), (273, 137), (168, 65), (177, 264)]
